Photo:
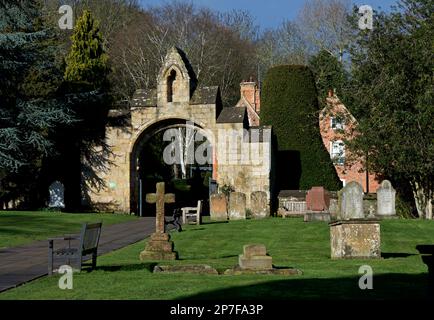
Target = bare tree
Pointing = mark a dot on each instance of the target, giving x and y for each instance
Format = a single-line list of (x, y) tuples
[(325, 24)]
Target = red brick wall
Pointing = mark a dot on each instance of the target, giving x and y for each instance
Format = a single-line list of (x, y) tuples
[(348, 172)]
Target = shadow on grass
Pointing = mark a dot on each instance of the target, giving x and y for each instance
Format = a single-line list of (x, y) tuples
[(385, 287)]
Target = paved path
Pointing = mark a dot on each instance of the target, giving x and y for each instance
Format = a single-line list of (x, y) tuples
[(21, 264)]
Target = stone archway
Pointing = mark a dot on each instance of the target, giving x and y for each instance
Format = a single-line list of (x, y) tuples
[(139, 143), (152, 110)]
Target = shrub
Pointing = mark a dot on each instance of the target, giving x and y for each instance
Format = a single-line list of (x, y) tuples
[(290, 106)]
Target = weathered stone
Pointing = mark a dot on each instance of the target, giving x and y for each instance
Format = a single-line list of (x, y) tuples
[(317, 199), (255, 262), (259, 205), (352, 201), (355, 239), (386, 200), (334, 209), (196, 268), (237, 271), (218, 207), (251, 250), (317, 216), (159, 247), (237, 206)]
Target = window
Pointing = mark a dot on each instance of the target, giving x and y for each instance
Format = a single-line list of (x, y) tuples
[(337, 123), (337, 152), (170, 79)]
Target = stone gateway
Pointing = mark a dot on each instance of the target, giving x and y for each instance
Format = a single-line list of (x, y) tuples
[(178, 99)]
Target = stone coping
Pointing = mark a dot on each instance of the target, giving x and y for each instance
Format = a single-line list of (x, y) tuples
[(354, 221), (206, 269)]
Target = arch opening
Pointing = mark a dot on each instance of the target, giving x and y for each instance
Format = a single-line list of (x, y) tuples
[(170, 151)]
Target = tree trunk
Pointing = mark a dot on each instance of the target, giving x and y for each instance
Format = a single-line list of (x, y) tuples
[(423, 200)]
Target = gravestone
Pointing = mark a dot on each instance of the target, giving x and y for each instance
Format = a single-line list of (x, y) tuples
[(386, 200), (352, 201), (237, 206), (351, 239), (218, 207), (255, 257), (259, 205), (57, 195), (317, 199), (159, 247)]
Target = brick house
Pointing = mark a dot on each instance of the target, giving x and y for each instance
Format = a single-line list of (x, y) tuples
[(336, 124)]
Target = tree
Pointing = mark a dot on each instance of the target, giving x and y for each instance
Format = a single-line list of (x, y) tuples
[(329, 74), (87, 61), (290, 106), (31, 109), (283, 45), (325, 24), (393, 98), (82, 145)]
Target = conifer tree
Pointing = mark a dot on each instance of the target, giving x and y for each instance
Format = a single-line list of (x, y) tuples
[(87, 62)]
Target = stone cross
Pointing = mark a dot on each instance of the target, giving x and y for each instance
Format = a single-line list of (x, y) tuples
[(160, 198)]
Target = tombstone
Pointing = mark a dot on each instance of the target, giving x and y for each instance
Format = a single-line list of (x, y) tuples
[(354, 236), (317, 199), (386, 200), (255, 257), (354, 239), (237, 206), (57, 195), (218, 207), (159, 246), (259, 205), (352, 202)]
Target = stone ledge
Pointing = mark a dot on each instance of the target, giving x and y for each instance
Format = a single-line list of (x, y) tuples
[(236, 271), (196, 269)]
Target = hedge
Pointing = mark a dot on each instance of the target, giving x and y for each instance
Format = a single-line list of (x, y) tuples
[(290, 106)]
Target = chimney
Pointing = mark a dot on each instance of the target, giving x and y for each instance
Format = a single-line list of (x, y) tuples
[(251, 92)]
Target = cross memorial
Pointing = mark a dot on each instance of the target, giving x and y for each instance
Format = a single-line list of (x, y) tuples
[(160, 199)]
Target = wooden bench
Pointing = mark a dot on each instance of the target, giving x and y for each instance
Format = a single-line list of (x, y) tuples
[(88, 245), (192, 212)]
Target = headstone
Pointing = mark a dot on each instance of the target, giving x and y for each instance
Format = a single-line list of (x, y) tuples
[(334, 209), (386, 199), (351, 239), (352, 202), (237, 206), (218, 207), (317, 199), (57, 195), (255, 257), (259, 204), (159, 247)]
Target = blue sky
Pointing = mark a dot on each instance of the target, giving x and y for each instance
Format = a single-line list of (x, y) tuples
[(268, 13)]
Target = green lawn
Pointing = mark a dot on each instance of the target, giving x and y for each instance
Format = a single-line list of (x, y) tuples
[(18, 227), (291, 243)]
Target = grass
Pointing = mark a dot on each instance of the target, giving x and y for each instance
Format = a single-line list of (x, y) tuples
[(291, 243), (18, 227)]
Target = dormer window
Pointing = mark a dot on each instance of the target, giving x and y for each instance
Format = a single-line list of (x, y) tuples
[(170, 83), (337, 123)]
